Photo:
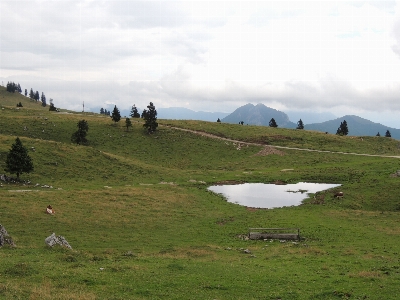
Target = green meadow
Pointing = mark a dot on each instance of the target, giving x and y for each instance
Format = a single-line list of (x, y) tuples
[(136, 210)]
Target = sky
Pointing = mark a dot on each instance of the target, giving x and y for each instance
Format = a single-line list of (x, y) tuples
[(341, 57)]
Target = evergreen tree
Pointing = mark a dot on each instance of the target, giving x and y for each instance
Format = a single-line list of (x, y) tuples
[(378, 134), (102, 111), (272, 123), (116, 116), (134, 112), (387, 134), (150, 118), (342, 130), (37, 96), (18, 161), (31, 94), (43, 99), (79, 136), (300, 124), (26, 92), (11, 87), (218, 121), (52, 107), (19, 88), (128, 123)]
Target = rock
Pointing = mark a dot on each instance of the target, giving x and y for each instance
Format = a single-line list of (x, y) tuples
[(5, 238), (54, 240)]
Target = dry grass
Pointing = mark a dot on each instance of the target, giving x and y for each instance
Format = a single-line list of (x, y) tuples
[(366, 274)]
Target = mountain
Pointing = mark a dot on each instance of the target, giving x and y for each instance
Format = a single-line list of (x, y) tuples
[(357, 127), (180, 113), (259, 115), (309, 117)]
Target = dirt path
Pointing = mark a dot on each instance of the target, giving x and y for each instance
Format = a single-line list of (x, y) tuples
[(276, 147)]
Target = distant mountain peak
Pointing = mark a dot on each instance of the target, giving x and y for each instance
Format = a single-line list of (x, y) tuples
[(258, 115)]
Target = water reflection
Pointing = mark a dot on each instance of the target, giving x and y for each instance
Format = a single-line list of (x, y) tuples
[(269, 195)]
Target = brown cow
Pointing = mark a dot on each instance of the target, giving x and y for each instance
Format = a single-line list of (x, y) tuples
[(338, 195), (50, 210)]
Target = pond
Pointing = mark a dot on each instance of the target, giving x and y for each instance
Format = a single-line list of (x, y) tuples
[(263, 195)]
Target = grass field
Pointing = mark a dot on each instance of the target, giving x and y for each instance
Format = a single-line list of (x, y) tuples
[(136, 210)]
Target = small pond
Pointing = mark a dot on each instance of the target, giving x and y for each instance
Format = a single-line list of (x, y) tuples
[(263, 195)]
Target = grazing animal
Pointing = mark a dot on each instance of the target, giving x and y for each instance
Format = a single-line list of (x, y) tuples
[(338, 195), (50, 210)]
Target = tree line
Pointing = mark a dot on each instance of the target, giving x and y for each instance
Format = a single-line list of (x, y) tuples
[(13, 87)]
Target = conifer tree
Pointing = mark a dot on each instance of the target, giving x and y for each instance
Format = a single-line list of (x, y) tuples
[(150, 118), (128, 123), (79, 136), (134, 112), (18, 161), (116, 116), (272, 123), (387, 134), (300, 124), (43, 99), (343, 129)]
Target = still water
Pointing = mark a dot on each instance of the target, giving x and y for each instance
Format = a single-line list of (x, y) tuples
[(269, 195)]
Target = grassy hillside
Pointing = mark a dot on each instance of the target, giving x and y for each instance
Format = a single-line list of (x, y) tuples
[(142, 224)]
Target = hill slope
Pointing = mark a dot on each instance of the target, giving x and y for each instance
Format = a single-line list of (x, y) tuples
[(136, 210), (357, 127)]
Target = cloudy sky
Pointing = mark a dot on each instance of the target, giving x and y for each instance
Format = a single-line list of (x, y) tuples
[(341, 57)]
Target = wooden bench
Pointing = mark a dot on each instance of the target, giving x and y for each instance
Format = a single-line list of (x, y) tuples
[(274, 233)]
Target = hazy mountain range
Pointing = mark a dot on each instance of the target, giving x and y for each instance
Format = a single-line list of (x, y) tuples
[(261, 115)]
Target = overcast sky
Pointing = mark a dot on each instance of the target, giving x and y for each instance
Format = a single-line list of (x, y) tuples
[(329, 56)]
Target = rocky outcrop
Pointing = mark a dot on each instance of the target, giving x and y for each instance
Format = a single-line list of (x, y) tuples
[(54, 240), (5, 239)]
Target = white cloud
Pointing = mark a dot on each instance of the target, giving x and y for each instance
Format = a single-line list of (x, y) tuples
[(206, 55)]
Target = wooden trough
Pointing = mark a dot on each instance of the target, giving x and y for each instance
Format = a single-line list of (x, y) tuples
[(274, 233)]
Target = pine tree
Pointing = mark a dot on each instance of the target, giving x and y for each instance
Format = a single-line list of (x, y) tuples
[(31, 95), (116, 116), (26, 92), (134, 112), (218, 121), (272, 123), (43, 99), (343, 129), (387, 134), (128, 123), (79, 136), (52, 107), (102, 111), (378, 134), (150, 118), (300, 124), (18, 161), (37, 96)]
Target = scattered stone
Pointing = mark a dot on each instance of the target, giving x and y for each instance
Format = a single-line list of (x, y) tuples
[(247, 251), (5, 238), (54, 240)]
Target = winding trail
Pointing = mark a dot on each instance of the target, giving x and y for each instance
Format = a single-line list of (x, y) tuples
[(277, 147)]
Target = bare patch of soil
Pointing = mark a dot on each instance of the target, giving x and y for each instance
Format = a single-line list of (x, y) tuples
[(269, 150), (229, 182)]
